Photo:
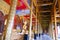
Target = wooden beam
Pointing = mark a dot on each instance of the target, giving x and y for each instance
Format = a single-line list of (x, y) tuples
[(59, 5), (35, 2), (44, 4), (57, 15), (44, 11), (57, 11), (26, 3), (58, 20)]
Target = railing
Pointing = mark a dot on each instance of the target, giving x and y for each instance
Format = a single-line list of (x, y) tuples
[(4, 7)]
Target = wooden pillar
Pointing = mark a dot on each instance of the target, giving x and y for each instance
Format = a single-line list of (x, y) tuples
[(55, 23), (50, 31), (39, 27), (59, 5), (52, 26), (36, 22), (11, 20), (30, 28)]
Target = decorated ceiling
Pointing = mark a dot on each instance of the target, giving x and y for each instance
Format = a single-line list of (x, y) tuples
[(22, 9), (20, 4)]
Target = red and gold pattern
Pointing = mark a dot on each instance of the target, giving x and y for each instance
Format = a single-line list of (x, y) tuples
[(20, 4)]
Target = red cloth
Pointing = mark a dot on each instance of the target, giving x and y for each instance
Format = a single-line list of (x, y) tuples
[(20, 5), (8, 1)]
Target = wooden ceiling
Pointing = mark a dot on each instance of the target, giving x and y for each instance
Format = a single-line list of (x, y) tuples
[(46, 12)]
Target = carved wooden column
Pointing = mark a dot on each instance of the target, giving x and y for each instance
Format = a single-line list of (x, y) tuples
[(55, 23), (52, 25), (11, 19), (36, 28), (30, 28)]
